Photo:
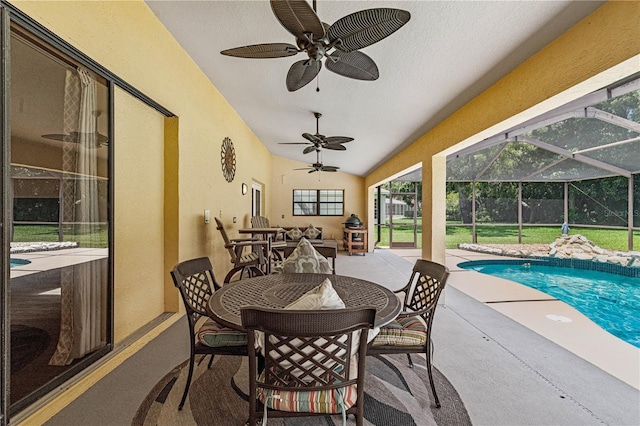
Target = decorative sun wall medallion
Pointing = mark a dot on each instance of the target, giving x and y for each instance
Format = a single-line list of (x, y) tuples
[(228, 159)]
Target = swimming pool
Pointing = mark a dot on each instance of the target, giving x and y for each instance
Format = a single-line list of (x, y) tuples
[(19, 262), (612, 301)]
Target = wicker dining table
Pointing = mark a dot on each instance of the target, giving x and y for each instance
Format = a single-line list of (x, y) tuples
[(278, 290)]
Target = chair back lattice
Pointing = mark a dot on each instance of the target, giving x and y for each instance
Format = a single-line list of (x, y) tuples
[(260, 222), (310, 350), (196, 282), (431, 279), (227, 242)]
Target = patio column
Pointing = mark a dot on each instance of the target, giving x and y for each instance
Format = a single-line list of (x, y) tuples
[(434, 208)]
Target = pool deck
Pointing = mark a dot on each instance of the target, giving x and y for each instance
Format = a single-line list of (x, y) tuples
[(531, 307), (51, 259)]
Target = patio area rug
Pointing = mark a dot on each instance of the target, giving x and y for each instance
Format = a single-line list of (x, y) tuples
[(394, 395)]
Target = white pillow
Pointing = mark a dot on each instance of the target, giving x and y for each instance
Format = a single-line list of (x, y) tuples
[(324, 296)]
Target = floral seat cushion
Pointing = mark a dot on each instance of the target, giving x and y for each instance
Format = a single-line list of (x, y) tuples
[(406, 331)]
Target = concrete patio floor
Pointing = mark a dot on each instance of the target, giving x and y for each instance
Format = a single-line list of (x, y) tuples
[(506, 373)]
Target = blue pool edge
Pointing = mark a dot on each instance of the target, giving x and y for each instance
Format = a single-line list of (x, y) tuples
[(564, 263)]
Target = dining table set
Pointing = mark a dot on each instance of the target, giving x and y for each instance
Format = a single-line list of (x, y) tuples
[(275, 291), (295, 312), (278, 290)]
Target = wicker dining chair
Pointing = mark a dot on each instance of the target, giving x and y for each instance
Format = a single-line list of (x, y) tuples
[(252, 262), (314, 361), (196, 282), (410, 332), (278, 242)]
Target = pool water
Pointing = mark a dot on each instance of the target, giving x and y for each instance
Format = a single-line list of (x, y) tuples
[(612, 301), (19, 262)]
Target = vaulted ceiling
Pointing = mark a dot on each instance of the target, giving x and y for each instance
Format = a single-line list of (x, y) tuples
[(448, 53)]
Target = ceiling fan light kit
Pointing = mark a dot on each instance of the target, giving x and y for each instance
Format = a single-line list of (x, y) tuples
[(347, 36)]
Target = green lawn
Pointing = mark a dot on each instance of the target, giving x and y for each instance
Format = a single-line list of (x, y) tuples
[(401, 232), (49, 233), (613, 239)]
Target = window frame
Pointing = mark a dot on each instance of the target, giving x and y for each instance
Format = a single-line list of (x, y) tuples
[(318, 201)]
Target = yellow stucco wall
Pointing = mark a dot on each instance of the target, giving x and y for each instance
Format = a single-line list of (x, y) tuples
[(285, 180), (600, 50), (138, 218)]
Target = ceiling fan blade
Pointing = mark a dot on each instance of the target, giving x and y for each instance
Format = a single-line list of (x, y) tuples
[(302, 73), (309, 149), (303, 168), (298, 18), (74, 137), (366, 27), (313, 138), (335, 147), (60, 137), (337, 139), (313, 171), (329, 168), (353, 65), (261, 51)]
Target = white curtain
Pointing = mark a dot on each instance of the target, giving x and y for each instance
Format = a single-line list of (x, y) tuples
[(81, 285)]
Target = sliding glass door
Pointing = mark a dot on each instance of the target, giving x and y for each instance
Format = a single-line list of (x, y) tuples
[(57, 177)]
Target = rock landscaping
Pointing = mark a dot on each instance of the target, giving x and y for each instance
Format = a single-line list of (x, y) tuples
[(41, 246), (565, 247)]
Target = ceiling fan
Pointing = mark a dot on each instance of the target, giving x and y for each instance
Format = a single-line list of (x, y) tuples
[(316, 38), (318, 141), (318, 166)]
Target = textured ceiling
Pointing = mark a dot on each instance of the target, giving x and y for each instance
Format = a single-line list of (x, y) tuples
[(448, 53)]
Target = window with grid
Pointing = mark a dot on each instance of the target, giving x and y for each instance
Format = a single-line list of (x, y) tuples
[(318, 202)]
